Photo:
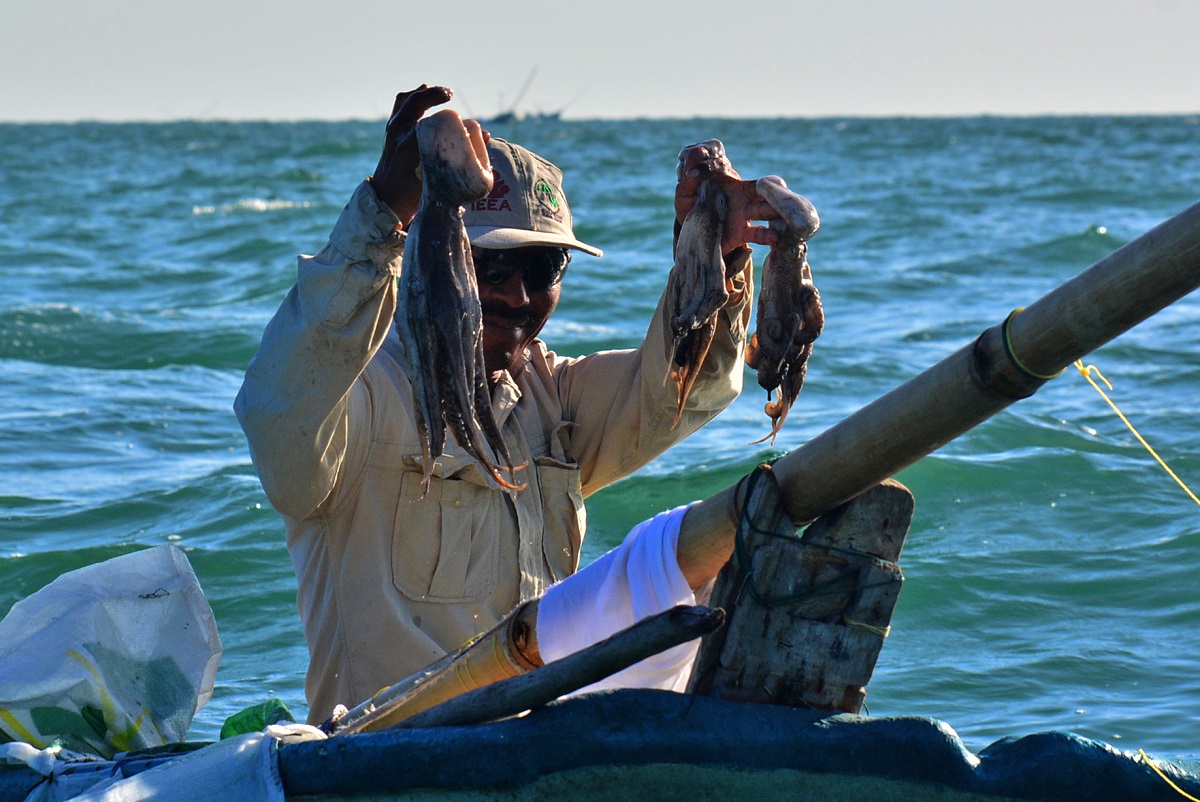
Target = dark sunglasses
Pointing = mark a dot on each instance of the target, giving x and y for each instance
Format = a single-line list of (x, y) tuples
[(541, 268)]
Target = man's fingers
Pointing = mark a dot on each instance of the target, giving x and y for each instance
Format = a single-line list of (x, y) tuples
[(758, 235), (399, 103), (395, 178), (702, 169), (410, 107), (745, 204), (706, 169), (758, 210), (740, 231)]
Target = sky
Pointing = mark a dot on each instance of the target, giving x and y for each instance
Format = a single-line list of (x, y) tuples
[(67, 60)]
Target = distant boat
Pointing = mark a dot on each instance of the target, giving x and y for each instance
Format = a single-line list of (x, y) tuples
[(509, 117), (503, 118), (512, 115)]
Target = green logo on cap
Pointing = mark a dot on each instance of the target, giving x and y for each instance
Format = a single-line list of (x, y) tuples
[(546, 194)]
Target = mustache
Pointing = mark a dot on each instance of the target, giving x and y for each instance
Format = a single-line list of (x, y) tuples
[(522, 315)]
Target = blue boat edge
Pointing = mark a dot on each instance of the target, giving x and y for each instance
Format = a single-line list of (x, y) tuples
[(642, 727), (628, 731)]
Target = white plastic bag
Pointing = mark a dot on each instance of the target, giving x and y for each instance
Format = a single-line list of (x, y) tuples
[(114, 657)]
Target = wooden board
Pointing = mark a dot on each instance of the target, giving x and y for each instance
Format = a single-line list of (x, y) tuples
[(807, 615)]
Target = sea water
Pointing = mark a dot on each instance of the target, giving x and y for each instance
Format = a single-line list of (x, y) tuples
[(1052, 567)]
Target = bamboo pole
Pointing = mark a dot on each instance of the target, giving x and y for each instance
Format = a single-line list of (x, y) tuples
[(453, 691), (508, 697), (971, 385)]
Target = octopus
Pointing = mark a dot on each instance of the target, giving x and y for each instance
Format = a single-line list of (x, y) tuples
[(697, 288), (438, 316), (789, 315)]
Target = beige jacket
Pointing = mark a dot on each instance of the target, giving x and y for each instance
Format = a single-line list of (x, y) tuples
[(388, 581)]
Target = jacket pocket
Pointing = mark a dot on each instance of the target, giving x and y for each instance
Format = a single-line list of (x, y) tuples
[(441, 552), (565, 516)]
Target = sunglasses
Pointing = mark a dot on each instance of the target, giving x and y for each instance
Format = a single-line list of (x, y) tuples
[(541, 268)]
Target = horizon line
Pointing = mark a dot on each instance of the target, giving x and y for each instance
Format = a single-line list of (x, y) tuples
[(534, 118)]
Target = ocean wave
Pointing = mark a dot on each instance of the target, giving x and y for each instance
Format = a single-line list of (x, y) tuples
[(251, 205)]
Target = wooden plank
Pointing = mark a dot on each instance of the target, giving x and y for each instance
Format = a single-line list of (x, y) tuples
[(807, 615)]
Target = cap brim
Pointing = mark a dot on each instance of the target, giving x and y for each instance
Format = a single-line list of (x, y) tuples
[(500, 238)]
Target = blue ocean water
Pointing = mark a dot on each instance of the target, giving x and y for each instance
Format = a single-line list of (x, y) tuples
[(1051, 567)]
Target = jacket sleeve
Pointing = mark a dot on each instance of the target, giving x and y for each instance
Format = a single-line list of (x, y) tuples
[(299, 385), (621, 403)]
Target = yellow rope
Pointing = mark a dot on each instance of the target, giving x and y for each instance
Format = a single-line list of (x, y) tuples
[(1087, 374), (882, 632), (1166, 779)]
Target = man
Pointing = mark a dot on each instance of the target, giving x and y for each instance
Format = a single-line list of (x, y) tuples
[(389, 579)]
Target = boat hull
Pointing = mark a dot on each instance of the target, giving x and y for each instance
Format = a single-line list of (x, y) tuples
[(669, 745), (636, 744)]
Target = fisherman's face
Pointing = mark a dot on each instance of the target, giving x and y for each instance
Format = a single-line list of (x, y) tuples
[(518, 290)]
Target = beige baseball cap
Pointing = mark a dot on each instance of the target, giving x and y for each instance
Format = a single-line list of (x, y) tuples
[(526, 206)]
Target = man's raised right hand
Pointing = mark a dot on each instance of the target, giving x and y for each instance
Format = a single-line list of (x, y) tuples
[(396, 181)]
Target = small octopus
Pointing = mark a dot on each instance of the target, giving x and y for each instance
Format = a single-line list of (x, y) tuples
[(789, 313)]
